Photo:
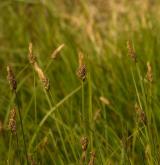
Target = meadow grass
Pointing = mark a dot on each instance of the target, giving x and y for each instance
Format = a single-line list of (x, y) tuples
[(103, 109)]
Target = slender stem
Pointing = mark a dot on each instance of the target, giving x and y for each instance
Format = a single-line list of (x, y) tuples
[(83, 112), (18, 148), (9, 151), (20, 117)]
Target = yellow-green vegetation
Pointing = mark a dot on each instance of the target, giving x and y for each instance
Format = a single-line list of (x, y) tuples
[(79, 82)]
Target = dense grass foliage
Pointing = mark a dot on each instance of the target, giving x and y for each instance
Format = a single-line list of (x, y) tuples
[(115, 110)]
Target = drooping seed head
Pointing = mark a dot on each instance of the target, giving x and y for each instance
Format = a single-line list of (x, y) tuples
[(42, 76), (11, 78), (56, 52), (12, 121), (131, 51)]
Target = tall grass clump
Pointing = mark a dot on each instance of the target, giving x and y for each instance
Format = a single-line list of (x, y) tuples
[(84, 82)]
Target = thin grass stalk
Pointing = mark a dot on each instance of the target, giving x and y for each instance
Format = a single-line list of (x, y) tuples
[(90, 110), (9, 149), (35, 109), (57, 125), (18, 148), (83, 110), (21, 123)]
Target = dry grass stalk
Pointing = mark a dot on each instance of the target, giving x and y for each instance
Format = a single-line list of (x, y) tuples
[(140, 113), (84, 144), (12, 121), (81, 71), (131, 51), (11, 78), (56, 52), (39, 71), (149, 74), (104, 100), (92, 158)]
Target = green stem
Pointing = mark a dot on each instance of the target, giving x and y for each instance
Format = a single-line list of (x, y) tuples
[(20, 117)]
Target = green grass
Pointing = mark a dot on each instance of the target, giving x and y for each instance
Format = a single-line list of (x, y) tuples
[(54, 121)]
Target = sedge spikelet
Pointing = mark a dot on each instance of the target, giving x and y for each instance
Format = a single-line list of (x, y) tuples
[(12, 121), (56, 52), (81, 71), (131, 51), (149, 74), (140, 114), (84, 145), (31, 57), (11, 78), (41, 75)]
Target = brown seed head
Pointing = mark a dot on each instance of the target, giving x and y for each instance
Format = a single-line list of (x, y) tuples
[(131, 51), (81, 71), (84, 143), (140, 113), (31, 57), (11, 78), (149, 74), (12, 121), (42, 76)]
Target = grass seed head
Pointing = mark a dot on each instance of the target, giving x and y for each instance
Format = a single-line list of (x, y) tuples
[(81, 71), (11, 78), (131, 51), (140, 113), (31, 57), (56, 52), (84, 145), (149, 74), (12, 121), (42, 76)]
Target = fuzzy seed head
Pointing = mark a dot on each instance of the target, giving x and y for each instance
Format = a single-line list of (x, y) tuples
[(12, 121), (42, 76), (84, 143), (31, 57), (131, 51), (11, 78), (81, 71), (140, 113)]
